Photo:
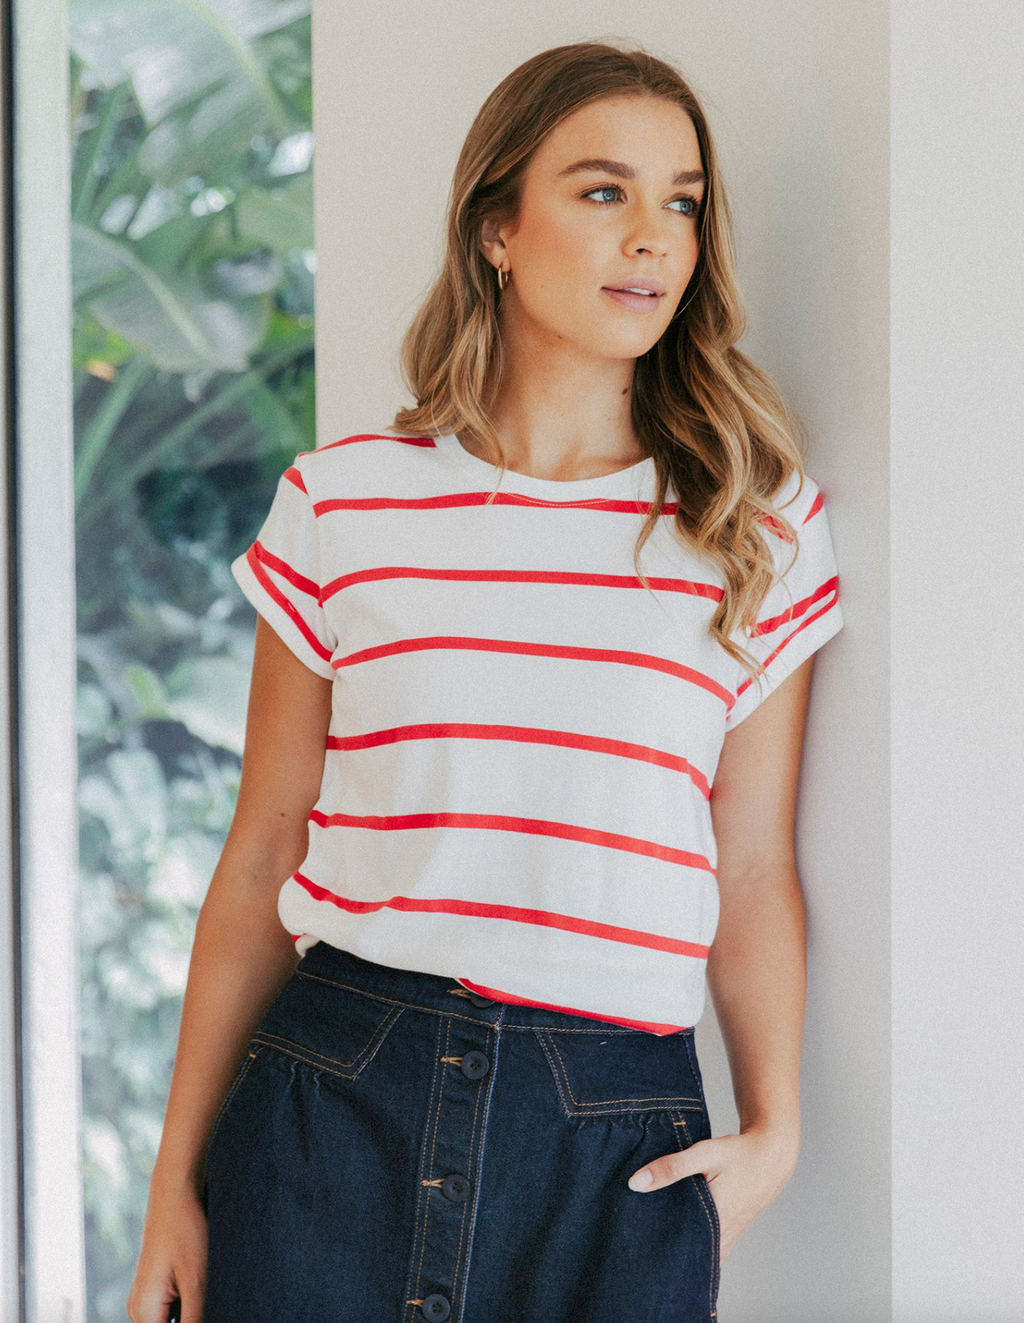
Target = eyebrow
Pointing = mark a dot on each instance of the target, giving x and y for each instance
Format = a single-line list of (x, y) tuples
[(623, 171)]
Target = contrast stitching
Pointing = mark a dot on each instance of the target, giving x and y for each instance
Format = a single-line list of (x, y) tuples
[(691, 1052), (391, 1001), (672, 1098), (606, 1104), (458, 1290), (494, 1045), (378, 1033), (422, 1194), (433, 1157), (554, 1072), (245, 1068), (429, 1163), (317, 1065), (712, 1219), (475, 1020)]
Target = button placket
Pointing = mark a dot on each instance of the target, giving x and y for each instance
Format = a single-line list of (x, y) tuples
[(453, 1144)]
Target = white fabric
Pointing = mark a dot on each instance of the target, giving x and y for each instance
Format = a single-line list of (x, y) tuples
[(522, 739)]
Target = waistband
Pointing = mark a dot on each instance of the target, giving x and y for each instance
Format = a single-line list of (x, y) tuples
[(438, 993)]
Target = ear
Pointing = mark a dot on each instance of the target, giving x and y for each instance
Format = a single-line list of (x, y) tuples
[(492, 243)]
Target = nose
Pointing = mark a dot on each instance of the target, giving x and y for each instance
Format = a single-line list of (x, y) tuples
[(648, 231)]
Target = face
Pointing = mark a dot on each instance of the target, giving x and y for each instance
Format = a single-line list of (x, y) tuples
[(610, 199)]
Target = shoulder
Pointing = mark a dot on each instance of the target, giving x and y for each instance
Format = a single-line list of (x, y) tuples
[(358, 458), (798, 502), (798, 499)]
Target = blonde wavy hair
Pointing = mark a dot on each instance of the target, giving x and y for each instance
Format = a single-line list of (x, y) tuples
[(714, 424)]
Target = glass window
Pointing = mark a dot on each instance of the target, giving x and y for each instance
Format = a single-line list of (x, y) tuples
[(192, 262)]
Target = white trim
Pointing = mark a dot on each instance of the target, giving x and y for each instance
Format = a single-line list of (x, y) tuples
[(10, 1154), (10, 1149), (46, 663)]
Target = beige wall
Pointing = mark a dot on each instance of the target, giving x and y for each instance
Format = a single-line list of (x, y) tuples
[(798, 97), (958, 714)]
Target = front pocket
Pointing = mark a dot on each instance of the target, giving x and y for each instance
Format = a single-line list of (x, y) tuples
[(252, 1052), (327, 1025), (600, 1073), (707, 1199)]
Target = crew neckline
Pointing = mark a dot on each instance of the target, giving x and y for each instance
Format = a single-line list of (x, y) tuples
[(626, 480)]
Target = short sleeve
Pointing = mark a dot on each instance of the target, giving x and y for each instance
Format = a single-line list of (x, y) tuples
[(280, 575), (801, 612)]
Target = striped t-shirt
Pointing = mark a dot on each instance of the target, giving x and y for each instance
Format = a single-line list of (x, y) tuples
[(523, 737)]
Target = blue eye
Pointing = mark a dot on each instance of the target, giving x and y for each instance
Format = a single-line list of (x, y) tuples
[(691, 204), (604, 188)]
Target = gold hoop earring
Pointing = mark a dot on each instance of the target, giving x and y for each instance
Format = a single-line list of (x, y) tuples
[(503, 276)]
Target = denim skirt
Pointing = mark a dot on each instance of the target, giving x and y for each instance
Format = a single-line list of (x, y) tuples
[(395, 1149)]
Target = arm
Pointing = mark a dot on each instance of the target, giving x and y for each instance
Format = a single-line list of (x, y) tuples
[(241, 958), (757, 963)]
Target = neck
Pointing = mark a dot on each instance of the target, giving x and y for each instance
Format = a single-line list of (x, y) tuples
[(559, 413)]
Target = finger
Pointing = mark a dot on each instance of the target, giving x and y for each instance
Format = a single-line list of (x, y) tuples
[(192, 1306), (667, 1170), (153, 1307)]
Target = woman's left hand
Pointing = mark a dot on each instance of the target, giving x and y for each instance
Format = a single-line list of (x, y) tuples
[(745, 1172)]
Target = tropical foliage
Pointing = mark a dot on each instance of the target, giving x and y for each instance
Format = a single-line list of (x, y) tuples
[(193, 266)]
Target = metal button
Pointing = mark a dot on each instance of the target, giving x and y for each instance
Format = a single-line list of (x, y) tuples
[(436, 1308), (455, 1187), (474, 1065), (477, 1000)]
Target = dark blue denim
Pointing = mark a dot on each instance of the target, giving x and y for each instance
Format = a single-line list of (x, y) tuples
[(395, 1149)]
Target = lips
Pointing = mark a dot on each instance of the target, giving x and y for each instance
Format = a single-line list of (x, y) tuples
[(628, 298), (647, 283)]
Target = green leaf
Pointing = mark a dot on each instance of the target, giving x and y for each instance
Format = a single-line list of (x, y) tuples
[(280, 217), (174, 51), (149, 692), (209, 696), (168, 316)]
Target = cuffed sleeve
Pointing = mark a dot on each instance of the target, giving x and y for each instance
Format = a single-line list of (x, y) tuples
[(280, 575), (801, 612)]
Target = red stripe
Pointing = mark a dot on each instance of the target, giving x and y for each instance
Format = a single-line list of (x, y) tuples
[(527, 735), (565, 831), (519, 576), (285, 570), (294, 476), (373, 436), (275, 594), (777, 528), (542, 650), (454, 499), (768, 626), (649, 1025), (815, 507), (788, 639), (474, 909)]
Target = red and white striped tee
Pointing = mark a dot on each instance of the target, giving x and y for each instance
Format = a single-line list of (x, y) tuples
[(523, 737)]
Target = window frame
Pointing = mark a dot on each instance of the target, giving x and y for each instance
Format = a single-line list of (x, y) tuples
[(42, 1234)]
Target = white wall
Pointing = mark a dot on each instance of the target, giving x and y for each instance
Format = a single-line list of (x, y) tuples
[(957, 625), (798, 97)]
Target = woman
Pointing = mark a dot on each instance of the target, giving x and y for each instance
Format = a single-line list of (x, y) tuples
[(498, 747)]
